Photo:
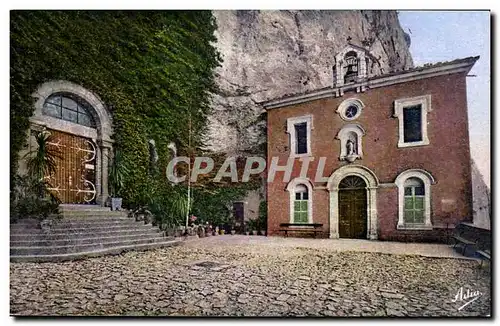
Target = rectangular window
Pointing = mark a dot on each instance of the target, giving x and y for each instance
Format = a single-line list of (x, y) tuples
[(299, 131), (301, 137), (412, 123)]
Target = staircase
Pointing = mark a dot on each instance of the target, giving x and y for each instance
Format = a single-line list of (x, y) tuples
[(84, 231)]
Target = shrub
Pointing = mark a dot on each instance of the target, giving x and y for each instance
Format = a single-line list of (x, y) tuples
[(31, 199), (262, 220)]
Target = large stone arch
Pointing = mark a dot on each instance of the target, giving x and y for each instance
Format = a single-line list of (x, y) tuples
[(101, 135), (372, 183)]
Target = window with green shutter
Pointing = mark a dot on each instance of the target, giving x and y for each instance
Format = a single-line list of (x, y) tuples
[(414, 204), (300, 205)]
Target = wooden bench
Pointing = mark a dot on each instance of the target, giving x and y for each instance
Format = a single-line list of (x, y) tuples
[(301, 227), (485, 254), (461, 236)]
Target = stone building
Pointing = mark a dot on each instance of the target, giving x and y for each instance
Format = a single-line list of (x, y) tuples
[(374, 156)]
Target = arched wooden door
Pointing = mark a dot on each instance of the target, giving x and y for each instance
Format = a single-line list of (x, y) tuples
[(74, 180), (352, 208)]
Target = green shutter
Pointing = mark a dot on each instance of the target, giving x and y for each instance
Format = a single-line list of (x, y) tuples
[(296, 217), (300, 214), (408, 218), (408, 203), (303, 206), (414, 209), (419, 216), (419, 202)]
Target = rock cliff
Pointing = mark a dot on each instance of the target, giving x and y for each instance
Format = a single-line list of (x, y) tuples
[(481, 199), (268, 54)]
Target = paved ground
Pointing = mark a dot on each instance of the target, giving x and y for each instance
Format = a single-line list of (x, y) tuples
[(420, 249), (256, 276)]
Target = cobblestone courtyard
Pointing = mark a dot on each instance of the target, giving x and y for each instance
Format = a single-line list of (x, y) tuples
[(210, 277)]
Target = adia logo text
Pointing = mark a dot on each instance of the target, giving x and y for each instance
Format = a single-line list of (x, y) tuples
[(466, 297)]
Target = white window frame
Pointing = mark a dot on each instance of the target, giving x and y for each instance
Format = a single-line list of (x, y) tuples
[(291, 188), (290, 123), (347, 103), (343, 135), (428, 180), (425, 104)]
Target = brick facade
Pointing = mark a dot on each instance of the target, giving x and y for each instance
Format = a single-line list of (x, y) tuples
[(446, 157)]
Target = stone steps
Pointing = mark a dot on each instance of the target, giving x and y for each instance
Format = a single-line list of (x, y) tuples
[(75, 248), (84, 231), (39, 234), (82, 208), (92, 214), (89, 229), (94, 253), (26, 241)]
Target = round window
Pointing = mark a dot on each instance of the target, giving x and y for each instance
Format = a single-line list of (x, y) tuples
[(351, 111)]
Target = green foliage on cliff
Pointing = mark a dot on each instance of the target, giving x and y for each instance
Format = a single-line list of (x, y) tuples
[(153, 70)]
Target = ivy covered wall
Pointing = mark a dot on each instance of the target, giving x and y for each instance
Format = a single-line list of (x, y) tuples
[(150, 68), (154, 71)]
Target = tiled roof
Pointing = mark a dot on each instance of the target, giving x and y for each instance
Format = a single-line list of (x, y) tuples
[(424, 67)]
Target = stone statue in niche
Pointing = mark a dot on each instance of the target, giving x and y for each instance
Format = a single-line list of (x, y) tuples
[(350, 147), (351, 151)]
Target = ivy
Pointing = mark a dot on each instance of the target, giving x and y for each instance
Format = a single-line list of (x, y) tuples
[(154, 70)]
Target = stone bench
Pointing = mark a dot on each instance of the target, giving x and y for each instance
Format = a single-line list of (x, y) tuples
[(314, 228), (484, 254), (463, 237)]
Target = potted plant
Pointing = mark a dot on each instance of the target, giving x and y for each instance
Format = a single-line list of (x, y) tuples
[(252, 224), (263, 217), (233, 231), (245, 228), (117, 174), (208, 229), (31, 194)]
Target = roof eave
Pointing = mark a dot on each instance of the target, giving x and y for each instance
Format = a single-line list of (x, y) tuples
[(405, 76)]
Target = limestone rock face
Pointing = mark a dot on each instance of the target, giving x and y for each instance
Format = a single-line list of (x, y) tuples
[(481, 199), (268, 54)]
